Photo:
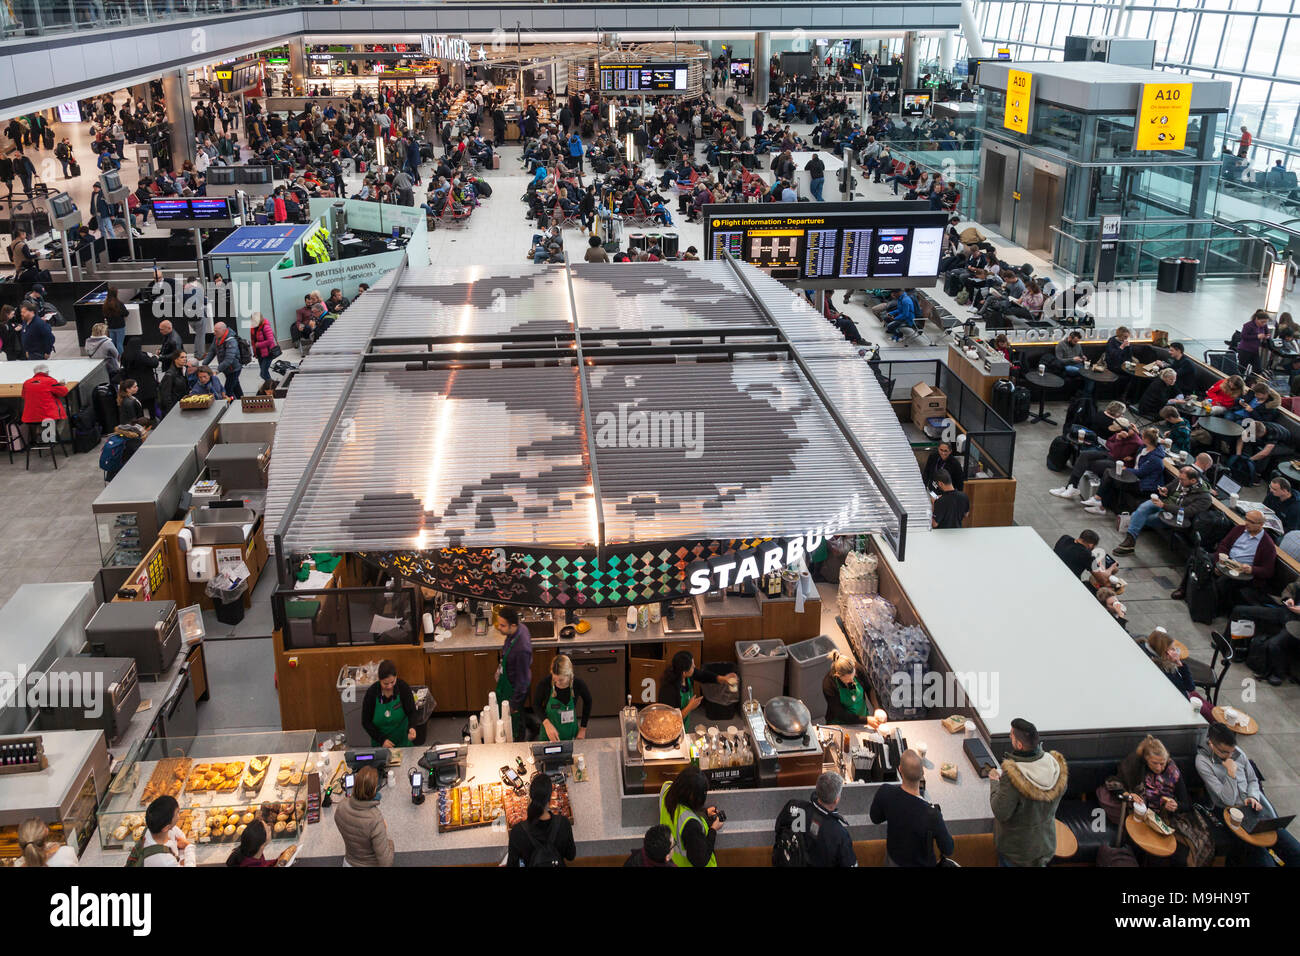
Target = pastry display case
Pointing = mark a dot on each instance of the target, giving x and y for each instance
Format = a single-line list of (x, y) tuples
[(222, 783)]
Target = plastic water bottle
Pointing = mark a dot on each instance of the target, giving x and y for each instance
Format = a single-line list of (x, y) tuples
[(1180, 517)]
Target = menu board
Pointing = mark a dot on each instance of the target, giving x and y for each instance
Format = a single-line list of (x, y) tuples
[(643, 78), (846, 245)]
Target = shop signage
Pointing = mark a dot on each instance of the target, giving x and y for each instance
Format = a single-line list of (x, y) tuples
[(1004, 53), (223, 74), (439, 46), (1162, 119), (1019, 101)]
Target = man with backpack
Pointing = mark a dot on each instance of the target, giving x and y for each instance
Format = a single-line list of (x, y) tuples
[(811, 832), (227, 349), (163, 843)]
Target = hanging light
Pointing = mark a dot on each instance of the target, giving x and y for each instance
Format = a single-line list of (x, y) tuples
[(1276, 286)]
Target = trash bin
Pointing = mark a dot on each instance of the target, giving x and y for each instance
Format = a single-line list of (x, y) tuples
[(809, 662), (228, 603), (1187, 270), (1167, 274), (719, 699), (762, 667)]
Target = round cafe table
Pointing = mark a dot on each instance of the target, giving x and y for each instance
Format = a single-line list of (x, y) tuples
[(1290, 471), (1148, 840), (1263, 840), (1250, 729), (1043, 381), (1171, 520), (1100, 376), (1066, 843), (1220, 426)]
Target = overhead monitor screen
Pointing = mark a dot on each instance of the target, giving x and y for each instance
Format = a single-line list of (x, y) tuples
[(830, 243), (643, 78)]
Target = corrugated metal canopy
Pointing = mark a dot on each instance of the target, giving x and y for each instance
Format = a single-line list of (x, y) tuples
[(446, 409)]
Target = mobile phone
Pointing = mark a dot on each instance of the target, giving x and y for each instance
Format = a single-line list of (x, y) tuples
[(349, 781)]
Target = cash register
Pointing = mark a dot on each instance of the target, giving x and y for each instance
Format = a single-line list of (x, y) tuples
[(376, 757), (446, 764), (553, 756)]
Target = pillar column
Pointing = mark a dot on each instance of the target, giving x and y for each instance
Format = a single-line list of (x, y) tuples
[(911, 73), (298, 64), (970, 30), (142, 92), (762, 74), (180, 114), (947, 42)]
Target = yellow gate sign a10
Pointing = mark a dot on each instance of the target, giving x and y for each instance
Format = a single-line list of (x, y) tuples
[(1019, 102), (1162, 120)]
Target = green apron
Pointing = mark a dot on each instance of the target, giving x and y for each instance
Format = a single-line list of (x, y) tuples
[(563, 717), (391, 720), (675, 823), (852, 699), (687, 692), (506, 690)]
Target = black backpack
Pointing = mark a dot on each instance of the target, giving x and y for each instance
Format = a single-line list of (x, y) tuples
[(1058, 454), (543, 853), (245, 351), (789, 849), (1200, 587)]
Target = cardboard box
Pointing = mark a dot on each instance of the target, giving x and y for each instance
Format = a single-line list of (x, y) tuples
[(927, 402)]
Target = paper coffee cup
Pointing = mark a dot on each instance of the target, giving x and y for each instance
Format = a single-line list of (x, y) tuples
[(1236, 815)]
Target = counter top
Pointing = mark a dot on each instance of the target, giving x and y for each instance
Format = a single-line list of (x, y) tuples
[(43, 793), (463, 637)]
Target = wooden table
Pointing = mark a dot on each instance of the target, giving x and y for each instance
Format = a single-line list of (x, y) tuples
[(71, 372), (1263, 840), (1148, 840), (1066, 844), (1250, 729), (1183, 652)]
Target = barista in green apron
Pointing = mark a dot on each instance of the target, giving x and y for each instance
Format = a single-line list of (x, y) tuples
[(388, 709), (677, 687), (682, 802), (846, 695), (557, 703), (515, 673)]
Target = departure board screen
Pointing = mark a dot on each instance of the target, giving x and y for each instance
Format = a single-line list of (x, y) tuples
[(643, 78), (846, 245)]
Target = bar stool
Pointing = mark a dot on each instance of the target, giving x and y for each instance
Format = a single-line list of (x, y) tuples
[(9, 433)]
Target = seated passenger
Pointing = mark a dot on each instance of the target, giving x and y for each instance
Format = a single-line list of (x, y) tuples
[(1231, 780)]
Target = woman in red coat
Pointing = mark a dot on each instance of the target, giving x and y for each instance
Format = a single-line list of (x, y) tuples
[(43, 397), (265, 347)]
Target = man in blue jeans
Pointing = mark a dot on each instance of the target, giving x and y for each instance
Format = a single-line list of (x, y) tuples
[(816, 177), (1191, 496)]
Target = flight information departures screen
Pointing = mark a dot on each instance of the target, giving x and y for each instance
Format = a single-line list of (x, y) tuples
[(644, 78), (846, 245)]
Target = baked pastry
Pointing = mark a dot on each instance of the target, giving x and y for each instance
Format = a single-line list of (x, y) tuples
[(121, 833), (948, 771), (282, 778), (137, 833), (259, 764), (247, 818), (281, 817), (290, 826), (230, 830), (279, 826), (239, 830)]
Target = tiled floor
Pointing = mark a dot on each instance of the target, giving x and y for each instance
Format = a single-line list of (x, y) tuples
[(50, 535)]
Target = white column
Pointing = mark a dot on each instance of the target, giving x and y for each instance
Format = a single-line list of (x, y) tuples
[(947, 42), (971, 31), (761, 75)]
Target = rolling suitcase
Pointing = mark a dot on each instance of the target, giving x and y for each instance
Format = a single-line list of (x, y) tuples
[(1004, 399), (1020, 405)]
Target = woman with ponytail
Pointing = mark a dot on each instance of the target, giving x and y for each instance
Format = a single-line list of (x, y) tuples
[(544, 838), (251, 844), (39, 850)]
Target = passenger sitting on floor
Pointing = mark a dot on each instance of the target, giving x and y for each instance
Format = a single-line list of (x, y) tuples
[(1108, 599), (1189, 495), (1164, 653), (1148, 467), (1176, 429), (1231, 780), (1158, 393)]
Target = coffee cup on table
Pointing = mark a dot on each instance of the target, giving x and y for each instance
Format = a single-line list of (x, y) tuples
[(1235, 814), (1139, 809), (1042, 369)]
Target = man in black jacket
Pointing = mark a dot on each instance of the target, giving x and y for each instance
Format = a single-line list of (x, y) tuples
[(821, 830), (914, 826), (1184, 368), (1076, 553)]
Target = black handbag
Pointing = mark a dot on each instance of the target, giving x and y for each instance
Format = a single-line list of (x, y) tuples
[(274, 353)]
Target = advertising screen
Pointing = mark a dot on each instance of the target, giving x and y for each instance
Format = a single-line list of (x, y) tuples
[(830, 244)]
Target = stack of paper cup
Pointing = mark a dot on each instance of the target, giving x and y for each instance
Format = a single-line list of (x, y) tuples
[(475, 732), (508, 729)]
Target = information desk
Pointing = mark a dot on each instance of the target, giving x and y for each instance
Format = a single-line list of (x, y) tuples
[(1059, 660)]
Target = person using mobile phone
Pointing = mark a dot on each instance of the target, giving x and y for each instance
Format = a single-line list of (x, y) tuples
[(684, 808)]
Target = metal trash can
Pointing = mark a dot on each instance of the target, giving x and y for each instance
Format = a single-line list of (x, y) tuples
[(1187, 271), (670, 242), (1167, 274), (761, 666), (809, 663), (228, 604)]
